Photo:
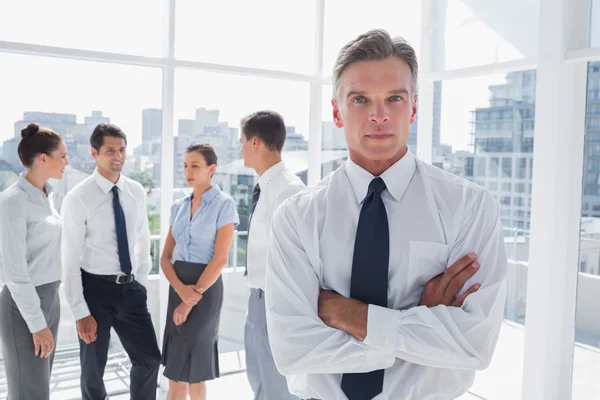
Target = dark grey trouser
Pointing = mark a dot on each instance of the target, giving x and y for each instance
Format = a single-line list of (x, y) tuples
[(28, 376)]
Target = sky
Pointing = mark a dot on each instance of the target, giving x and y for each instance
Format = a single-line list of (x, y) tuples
[(270, 34)]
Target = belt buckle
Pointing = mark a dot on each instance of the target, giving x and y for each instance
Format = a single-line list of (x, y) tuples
[(124, 279)]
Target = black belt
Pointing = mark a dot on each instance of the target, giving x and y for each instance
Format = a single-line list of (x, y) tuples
[(118, 279)]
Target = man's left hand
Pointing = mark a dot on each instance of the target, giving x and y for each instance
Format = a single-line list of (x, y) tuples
[(342, 313)]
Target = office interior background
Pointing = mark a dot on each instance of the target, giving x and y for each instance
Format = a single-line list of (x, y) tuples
[(509, 97)]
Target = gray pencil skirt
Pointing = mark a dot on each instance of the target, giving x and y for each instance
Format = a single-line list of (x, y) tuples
[(27, 375), (190, 352)]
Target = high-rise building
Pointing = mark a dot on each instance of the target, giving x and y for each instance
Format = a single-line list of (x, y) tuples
[(93, 120), (294, 141), (591, 162), (151, 124), (503, 146), (503, 136)]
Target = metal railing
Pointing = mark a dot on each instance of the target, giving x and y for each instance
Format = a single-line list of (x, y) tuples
[(236, 254)]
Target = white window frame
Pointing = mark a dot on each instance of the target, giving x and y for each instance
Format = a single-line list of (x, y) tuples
[(561, 65)]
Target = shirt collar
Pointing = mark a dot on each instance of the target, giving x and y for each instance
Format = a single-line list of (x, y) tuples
[(396, 177), (269, 174), (105, 184), (209, 195), (32, 190)]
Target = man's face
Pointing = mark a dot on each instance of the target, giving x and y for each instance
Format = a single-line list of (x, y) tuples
[(375, 105), (111, 156)]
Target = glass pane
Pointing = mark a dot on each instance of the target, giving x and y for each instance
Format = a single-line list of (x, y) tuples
[(346, 19), (469, 33), (271, 34), (334, 150), (487, 138), (205, 112), (60, 95), (586, 359), (131, 27)]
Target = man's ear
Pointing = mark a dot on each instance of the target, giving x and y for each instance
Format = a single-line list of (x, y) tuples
[(337, 114)]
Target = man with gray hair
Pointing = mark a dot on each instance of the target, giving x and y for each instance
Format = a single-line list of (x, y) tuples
[(360, 302)]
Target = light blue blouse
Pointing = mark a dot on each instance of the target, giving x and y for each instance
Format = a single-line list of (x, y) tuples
[(195, 238)]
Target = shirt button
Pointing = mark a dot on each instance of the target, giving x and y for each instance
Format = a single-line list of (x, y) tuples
[(382, 339)]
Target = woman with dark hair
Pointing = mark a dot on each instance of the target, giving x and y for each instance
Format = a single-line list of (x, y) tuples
[(198, 242), (30, 266)]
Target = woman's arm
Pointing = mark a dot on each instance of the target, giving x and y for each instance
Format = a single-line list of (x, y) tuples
[(217, 263), (188, 294)]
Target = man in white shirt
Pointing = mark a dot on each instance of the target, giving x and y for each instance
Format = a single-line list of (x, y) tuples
[(262, 138), (349, 259), (106, 260)]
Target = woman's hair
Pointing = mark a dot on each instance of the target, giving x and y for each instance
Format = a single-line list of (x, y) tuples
[(36, 141), (207, 151)]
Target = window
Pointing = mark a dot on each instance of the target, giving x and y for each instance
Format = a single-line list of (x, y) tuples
[(494, 164), (481, 166), (250, 35), (522, 168), (587, 336), (63, 22), (72, 97), (206, 112), (469, 40), (483, 98), (334, 148), (507, 167), (344, 20)]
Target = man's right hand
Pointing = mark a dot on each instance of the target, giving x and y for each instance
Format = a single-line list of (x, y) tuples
[(189, 295), (443, 289), (43, 343), (87, 329)]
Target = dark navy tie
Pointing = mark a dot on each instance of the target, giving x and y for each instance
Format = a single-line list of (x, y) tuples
[(122, 244), (255, 197), (369, 282)]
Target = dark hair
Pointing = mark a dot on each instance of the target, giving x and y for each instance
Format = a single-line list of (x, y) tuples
[(103, 130), (268, 126), (36, 141), (207, 151)]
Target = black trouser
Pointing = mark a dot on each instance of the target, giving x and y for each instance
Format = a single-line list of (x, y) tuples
[(122, 307)]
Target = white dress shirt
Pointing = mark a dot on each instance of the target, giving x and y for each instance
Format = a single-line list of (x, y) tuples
[(276, 185), (434, 218), (89, 239), (29, 247)]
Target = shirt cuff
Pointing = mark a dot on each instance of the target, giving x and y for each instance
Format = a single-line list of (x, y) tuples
[(81, 311), (382, 328), (37, 324)]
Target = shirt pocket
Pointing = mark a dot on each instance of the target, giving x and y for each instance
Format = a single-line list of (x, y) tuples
[(426, 260)]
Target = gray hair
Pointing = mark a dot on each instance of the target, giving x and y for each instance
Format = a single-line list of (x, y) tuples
[(374, 45)]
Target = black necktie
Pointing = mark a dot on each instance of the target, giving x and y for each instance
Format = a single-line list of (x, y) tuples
[(122, 244), (255, 196), (369, 282)]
